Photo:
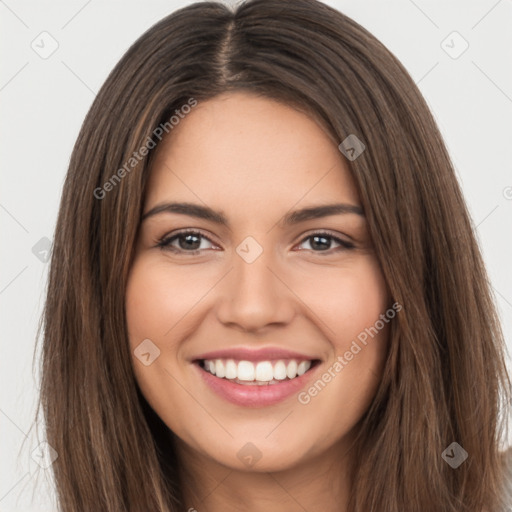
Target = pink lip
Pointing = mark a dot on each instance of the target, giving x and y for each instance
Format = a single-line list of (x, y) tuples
[(262, 354), (254, 395)]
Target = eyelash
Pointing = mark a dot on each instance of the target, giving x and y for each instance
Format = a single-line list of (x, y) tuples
[(164, 242)]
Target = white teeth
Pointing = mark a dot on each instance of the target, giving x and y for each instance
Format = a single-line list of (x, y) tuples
[(280, 371), (303, 367), (261, 373), (245, 370), (264, 371), (231, 369), (220, 369), (291, 370)]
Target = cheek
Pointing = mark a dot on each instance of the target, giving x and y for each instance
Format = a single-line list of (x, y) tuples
[(156, 304), (158, 298), (361, 334), (347, 299), (350, 305), (363, 299)]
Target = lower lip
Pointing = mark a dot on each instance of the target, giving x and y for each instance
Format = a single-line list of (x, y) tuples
[(255, 395)]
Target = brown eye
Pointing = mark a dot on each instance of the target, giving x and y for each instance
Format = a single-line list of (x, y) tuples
[(322, 242), (184, 241)]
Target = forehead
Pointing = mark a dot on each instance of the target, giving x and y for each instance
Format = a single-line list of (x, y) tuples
[(239, 149)]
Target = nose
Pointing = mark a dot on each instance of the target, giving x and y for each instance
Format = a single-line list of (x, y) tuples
[(255, 295)]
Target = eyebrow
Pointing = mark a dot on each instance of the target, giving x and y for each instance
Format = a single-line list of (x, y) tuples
[(292, 218)]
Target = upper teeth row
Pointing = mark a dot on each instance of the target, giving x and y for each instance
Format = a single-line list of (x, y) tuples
[(261, 371)]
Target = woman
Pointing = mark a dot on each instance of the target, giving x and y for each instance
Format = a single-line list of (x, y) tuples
[(199, 351)]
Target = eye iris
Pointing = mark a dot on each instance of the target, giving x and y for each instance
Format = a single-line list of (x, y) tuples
[(189, 241), (323, 244)]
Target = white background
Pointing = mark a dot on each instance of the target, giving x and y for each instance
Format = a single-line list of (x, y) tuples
[(44, 102)]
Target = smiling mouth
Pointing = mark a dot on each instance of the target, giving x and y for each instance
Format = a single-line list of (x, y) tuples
[(262, 373)]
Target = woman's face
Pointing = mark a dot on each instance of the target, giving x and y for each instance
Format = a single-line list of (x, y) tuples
[(266, 294)]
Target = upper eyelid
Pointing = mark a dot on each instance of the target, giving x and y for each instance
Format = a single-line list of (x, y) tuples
[(187, 231)]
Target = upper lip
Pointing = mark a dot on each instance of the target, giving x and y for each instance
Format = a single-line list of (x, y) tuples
[(247, 354)]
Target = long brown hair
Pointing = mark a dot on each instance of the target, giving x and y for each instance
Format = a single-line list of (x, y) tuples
[(445, 379)]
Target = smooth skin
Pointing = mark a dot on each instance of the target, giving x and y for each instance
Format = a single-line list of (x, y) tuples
[(255, 160)]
